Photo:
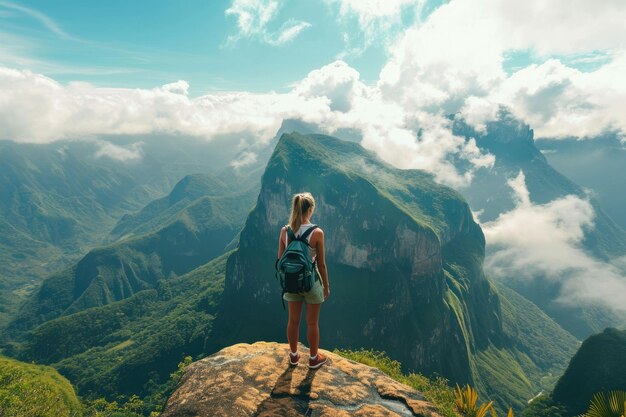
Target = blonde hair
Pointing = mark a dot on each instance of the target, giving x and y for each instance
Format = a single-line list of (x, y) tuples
[(300, 204)]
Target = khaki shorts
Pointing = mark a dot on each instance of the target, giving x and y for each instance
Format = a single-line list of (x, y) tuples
[(314, 296)]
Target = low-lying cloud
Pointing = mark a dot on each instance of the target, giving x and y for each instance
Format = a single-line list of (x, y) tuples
[(121, 153), (544, 240)]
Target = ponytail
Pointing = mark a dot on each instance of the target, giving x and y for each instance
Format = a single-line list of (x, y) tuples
[(301, 203)]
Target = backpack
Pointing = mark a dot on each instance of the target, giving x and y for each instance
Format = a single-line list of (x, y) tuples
[(295, 268)]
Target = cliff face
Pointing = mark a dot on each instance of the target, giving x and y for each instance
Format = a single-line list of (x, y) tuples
[(256, 380), (403, 253)]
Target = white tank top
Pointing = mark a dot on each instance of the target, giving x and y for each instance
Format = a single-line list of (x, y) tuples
[(303, 228)]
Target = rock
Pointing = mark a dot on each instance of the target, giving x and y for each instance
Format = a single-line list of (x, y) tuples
[(256, 380)]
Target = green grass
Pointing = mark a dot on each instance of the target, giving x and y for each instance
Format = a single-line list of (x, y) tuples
[(436, 390), (28, 390)]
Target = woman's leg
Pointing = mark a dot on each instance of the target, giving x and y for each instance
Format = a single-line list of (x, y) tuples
[(313, 331), (293, 325)]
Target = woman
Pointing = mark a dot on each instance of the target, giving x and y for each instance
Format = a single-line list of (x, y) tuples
[(302, 208)]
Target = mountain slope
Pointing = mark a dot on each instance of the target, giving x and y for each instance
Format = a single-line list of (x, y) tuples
[(59, 200), (405, 263), (131, 346), (189, 233), (598, 366)]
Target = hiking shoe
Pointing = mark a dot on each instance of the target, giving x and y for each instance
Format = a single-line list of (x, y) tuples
[(293, 360), (318, 361)]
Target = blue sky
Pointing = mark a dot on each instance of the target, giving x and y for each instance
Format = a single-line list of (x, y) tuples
[(145, 43), (74, 68)]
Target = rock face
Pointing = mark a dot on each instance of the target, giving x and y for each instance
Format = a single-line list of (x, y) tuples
[(257, 380)]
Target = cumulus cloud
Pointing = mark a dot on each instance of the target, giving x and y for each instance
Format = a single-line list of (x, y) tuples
[(454, 60), (406, 139), (338, 82), (477, 111), (560, 101), (544, 240), (36, 108), (253, 18)]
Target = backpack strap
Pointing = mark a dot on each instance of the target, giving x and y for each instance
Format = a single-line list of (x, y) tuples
[(307, 232), (290, 234)]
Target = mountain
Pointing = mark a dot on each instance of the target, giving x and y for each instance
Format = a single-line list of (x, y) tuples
[(405, 262), (597, 164), (53, 204), (339, 387), (59, 200), (597, 366), (512, 143), (182, 231), (163, 210)]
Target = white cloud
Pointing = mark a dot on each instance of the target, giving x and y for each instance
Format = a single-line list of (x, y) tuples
[(477, 111), (388, 129), (253, 18), (36, 108), (379, 20), (246, 158), (544, 240), (288, 31), (336, 81), (457, 54), (559, 101), (42, 18), (124, 154)]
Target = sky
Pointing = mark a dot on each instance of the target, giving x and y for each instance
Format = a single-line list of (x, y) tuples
[(214, 45), (207, 43), (392, 70)]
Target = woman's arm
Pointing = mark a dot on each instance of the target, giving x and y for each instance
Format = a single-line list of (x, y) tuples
[(321, 262), (281, 242)]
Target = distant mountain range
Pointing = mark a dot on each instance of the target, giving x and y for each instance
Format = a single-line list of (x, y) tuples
[(60, 200)]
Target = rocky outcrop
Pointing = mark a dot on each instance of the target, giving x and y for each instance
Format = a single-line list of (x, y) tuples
[(256, 380)]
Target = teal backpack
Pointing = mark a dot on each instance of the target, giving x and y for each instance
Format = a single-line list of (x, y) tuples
[(295, 268)]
